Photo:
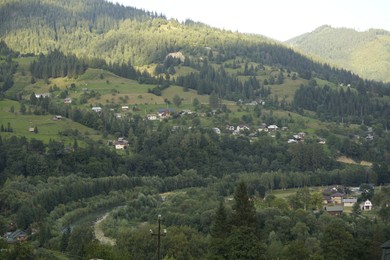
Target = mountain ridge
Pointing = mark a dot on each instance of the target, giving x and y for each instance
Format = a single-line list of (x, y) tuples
[(365, 53)]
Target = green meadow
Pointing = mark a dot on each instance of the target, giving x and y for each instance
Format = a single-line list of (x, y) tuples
[(47, 127)]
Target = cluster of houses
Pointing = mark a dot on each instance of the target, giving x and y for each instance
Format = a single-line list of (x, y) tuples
[(163, 113), (335, 201), (299, 137), (251, 103), (239, 129), (42, 95), (369, 135)]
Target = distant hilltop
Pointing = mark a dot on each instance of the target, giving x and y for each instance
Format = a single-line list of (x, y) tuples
[(363, 52)]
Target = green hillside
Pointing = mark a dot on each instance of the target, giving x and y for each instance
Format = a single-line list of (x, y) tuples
[(98, 29), (47, 126), (364, 53), (111, 116)]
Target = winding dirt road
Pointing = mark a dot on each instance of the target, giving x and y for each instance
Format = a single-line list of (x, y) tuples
[(99, 234)]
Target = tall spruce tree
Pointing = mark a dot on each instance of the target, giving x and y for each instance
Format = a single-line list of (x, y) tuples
[(219, 232), (244, 212), (244, 240)]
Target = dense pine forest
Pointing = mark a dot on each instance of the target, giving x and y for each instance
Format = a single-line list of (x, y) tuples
[(111, 116)]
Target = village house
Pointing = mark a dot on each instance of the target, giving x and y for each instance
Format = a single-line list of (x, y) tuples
[(332, 195), (386, 250), (185, 112), (336, 210), (253, 103), (262, 127), (217, 130), (42, 95), (165, 112), (367, 205), (121, 144), (241, 128), (125, 108), (67, 101), (97, 109), (151, 117), (292, 141), (349, 202), (337, 197), (230, 128), (16, 236), (273, 127)]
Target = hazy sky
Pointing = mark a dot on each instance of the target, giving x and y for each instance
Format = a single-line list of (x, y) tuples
[(278, 19)]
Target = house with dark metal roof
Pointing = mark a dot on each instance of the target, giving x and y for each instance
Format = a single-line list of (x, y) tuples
[(386, 250), (334, 210), (16, 236)]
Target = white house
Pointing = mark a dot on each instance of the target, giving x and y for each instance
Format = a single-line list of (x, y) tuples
[(121, 144), (367, 205), (151, 117), (273, 127), (67, 100), (242, 128), (42, 95), (292, 141), (217, 130), (261, 129), (230, 127), (97, 109)]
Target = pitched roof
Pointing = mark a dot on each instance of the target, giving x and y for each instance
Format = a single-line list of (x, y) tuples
[(350, 200), (13, 237), (334, 208), (386, 244), (337, 194)]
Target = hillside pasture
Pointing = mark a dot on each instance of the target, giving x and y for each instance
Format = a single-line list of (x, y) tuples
[(47, 127), (287, 89), (186, 96)]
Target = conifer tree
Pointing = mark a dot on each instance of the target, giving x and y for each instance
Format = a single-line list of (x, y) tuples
[(244, 213), (244, 241), (219, 233)]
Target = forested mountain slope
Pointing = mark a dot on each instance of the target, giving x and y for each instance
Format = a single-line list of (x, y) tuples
[(97, 30), (365, 53), (104, 30)]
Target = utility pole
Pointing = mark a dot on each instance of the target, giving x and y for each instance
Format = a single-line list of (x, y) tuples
[(159, 235)]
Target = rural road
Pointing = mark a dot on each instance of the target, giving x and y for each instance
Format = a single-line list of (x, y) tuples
[(99, 234)]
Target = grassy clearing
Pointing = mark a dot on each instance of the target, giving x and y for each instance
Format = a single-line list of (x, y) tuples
[(182, 71), (186, 96), (287, 89), (25, 61), (289, 192), (47, 127), (283, 193)]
